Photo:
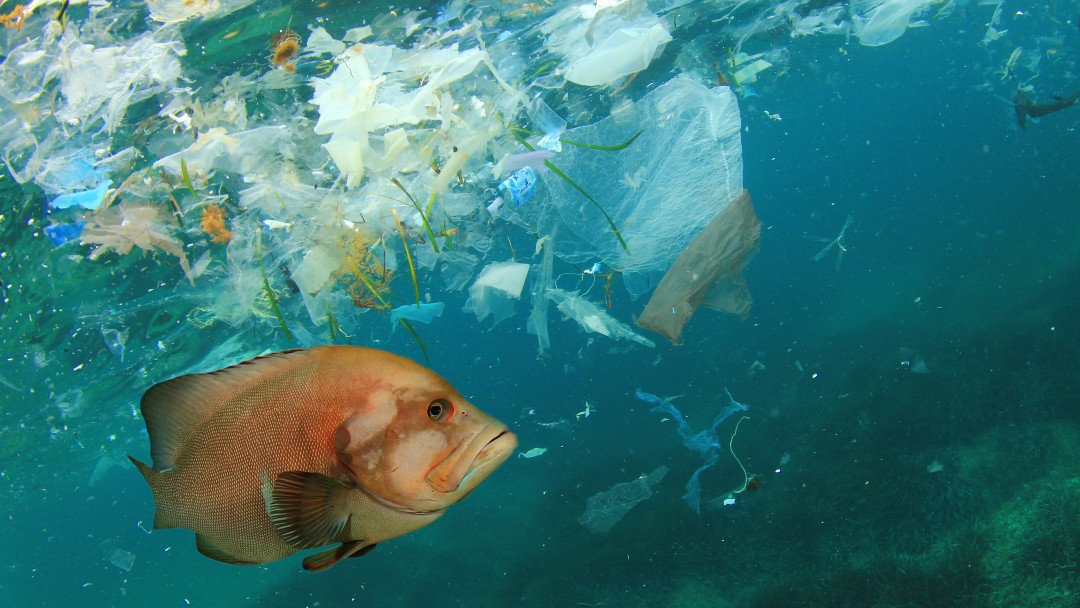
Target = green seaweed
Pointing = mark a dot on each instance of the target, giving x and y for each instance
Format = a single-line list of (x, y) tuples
[(270, 293), (580, 144), (185, 178), (408, 256), (423, 214), (332, 322), (416, 336)]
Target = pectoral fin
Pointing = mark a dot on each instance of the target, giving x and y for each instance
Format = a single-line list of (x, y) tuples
[(308, 510), (324, 559)]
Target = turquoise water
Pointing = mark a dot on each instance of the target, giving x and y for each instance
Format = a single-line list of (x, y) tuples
[(920, 390)]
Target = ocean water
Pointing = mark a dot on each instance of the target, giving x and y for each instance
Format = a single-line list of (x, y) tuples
[(911, 396)]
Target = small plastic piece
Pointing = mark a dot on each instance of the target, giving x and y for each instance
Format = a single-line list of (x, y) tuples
[(520, 186)]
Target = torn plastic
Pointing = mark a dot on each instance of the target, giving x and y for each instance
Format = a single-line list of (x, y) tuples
[(601, 46), (537, 323), (87, 199), (604, 510), (62, 234), (660, 191), (708, 272), (496, 289), (424, 312), (550, 124), (705, 443), (878, 22), (592, 318)]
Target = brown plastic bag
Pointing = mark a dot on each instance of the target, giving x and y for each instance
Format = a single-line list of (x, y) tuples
[(708, 272)]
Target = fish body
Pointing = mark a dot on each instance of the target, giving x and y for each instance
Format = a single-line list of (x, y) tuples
[(301, 449)]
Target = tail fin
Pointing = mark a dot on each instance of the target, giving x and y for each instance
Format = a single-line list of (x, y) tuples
[(163, 516)]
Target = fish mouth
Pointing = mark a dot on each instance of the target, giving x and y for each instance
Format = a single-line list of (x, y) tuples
[(473, 460)]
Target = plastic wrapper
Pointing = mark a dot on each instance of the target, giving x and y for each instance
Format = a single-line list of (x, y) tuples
[(604, 510), (708, 272)]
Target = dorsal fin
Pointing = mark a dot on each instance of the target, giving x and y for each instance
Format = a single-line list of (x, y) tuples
[(172, 408)]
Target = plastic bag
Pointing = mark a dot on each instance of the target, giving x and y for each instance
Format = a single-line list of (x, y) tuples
[(660, 191), (604, 510), (708, 272)]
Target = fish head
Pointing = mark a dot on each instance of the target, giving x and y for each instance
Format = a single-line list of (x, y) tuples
[(419, 445)]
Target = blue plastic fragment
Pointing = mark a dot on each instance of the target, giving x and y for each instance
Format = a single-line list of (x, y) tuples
[(520, 186), (61, 234), (705, 442), (423, 313), (87, 199)]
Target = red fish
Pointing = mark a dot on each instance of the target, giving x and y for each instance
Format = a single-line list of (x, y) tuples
[(306, 448)]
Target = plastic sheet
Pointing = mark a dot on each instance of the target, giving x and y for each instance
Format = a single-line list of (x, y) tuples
[(708, 272), (603, 45), (424, 312), (592, 318), (537, 323), (495, 290), (604, 510), (878, 22), (660, 191)]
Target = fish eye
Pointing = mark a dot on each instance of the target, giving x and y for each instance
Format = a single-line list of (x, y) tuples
[(440, 409)]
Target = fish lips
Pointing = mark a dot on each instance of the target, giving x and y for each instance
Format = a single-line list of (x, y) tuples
[(473, 460)]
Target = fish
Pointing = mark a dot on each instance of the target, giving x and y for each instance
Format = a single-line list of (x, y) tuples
[(301, 449)]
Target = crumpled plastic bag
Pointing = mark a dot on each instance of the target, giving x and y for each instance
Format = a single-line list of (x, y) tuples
[(708, 272), (604, 510)]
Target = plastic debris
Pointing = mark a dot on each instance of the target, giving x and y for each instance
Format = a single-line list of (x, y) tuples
[(706, 443), (533, 453), (601, 46), (708, 272), (61, 234), (87, 199), (511, 163), (537, 323), (604, 510), (121, 558), (688, 145), (520, 186), (879, 22), (122, 227), (592, 318), (494, 291), (114, 341), (424, 312)]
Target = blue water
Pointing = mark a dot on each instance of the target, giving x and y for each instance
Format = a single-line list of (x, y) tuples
[(963, 261)]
